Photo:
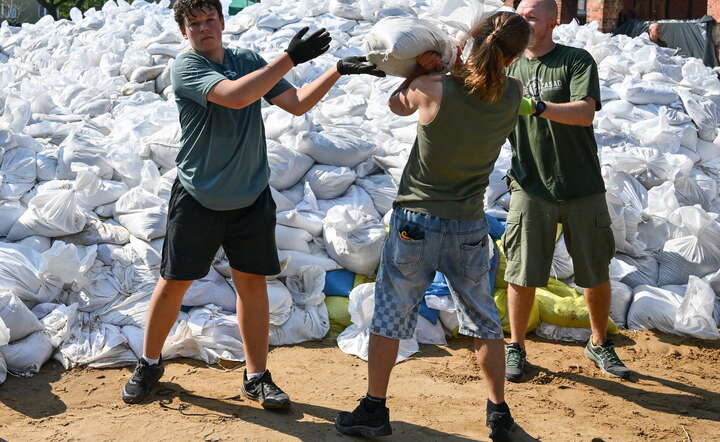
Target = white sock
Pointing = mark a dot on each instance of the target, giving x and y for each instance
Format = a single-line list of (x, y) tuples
[(251, 376), (151, 361)]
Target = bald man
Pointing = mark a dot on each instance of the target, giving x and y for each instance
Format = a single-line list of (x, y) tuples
[(555, 178), (655, 33)]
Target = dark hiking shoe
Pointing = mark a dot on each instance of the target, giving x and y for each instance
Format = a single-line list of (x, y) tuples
[(142, 381), (501, 426), (264, 390), (606, 359), (363, 422), (515, 362)]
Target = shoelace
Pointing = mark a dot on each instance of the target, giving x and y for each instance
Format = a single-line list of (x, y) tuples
[(608, 352), (513, 357)]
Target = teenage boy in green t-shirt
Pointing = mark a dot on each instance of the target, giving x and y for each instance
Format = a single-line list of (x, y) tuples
[(221, 196), (555, 178)]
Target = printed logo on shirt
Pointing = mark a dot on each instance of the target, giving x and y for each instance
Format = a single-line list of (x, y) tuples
[(536, 87), (231, 75)]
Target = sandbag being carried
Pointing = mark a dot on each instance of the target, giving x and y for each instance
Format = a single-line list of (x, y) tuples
[(394, 42)]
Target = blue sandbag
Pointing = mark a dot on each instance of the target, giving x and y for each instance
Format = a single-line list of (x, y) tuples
[(428, 313), (339, 282), (439, 286), (496, 227)]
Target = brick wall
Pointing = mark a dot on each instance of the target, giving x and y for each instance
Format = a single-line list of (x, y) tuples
[(604, 12)]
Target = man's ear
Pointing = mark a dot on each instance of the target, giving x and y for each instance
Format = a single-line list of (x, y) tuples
[(182, 31), (222, 22)]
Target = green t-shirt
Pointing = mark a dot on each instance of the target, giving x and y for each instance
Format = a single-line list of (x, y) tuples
[(450, 163), (223, 157), (553, 160)]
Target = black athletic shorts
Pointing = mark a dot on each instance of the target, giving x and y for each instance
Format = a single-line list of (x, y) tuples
[(195, 233)]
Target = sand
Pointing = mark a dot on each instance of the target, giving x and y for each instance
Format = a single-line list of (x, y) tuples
[(437, 395)]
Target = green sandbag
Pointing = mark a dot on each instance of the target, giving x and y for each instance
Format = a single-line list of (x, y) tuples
[(338, 313), (501, 301), (561, 305)]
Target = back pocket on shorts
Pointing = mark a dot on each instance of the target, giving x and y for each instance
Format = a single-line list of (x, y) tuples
[(476, 258)]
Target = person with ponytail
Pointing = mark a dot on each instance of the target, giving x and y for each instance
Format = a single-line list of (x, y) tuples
[(438, 222)]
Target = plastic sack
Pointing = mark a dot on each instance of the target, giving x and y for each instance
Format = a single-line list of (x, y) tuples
[(18, 172), (17, 317), (211, 289), (306, 323), (349, 9), (642, 92), (328, 182), (26, 356), (562, 306), (501, 301), (338, 314), (562, 265), (142, 213), (334, 147), (694, 316), (382, 189), (287, 166), (642, 270), (394, 42), (354, 239), (290, 238), (355, 339), (280, 302), (653, 308), (10, 211), (428, 333), (563, 334), (620, 302)]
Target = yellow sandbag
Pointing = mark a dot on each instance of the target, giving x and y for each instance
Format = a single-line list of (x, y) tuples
[(562, 306), (500, 282), (338, 313), (501, 301), (362, 279)]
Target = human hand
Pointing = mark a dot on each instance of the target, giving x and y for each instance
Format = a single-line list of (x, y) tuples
[(429, 62), (315, 45), (358, 65)]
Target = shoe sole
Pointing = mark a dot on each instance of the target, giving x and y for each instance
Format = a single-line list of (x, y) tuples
[(266, 404), (361, 430), (516, 379), (597, 364)]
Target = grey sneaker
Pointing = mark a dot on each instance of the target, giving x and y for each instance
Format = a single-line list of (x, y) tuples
[(515, 362), (264, 390), (606, 359)]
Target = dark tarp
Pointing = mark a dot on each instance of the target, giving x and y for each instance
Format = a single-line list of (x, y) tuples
[(693, 38)]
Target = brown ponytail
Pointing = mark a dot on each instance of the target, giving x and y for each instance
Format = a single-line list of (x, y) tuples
[(500, 37)]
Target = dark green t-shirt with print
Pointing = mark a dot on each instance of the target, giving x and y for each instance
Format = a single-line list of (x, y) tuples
[(553, 160), (222, 161)]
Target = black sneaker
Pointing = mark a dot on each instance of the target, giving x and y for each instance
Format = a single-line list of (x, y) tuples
[(363, 422), (142, 381), (264, 390), (501, 426), (606, 359), (515, 361)]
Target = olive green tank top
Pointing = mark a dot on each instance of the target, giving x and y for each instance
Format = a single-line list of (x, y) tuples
[(452, 158)]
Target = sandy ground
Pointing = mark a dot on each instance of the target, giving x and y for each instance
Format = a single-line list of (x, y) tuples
[(437, 395)]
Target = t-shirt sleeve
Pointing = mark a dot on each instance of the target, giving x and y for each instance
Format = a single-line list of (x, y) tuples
[(584, 79), (281, 85), (193, 78)]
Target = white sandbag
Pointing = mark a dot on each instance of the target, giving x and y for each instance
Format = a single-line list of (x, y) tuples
[(213, 288), (653, 308), (334, 147), (4, 337), (17, 317), (563, 334), (645, 270), (132, 310), (26, 356), (699, 76), (704, 112), (355, 339), (95, 344), (382, 189), (694, 316), (428, 333), (10, 211), (349, 9), (53, 213), (96, 232), (356, 197), (282, 203), (180, 342), (450, 321), (642, 92), (16, 113), (287, 166), (328, 182), (217, 333), (562, 265), (354, 239), (307, 323), (620, 301), (394, 42), (662, 200), (36, 242), (3, 369), (58, 323), (348, 105), (290, 238), (98, 289), (18, 172), (279, 122), (163, 146), (142, 213), (84, 145), (280, 302)]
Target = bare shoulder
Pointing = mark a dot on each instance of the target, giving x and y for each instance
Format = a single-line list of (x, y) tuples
[(430, 85)]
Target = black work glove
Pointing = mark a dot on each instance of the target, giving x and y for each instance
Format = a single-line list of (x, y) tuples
[(358, 65), (301, 50)]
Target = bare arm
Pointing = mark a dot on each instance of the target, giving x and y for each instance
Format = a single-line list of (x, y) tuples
[(401, 100), (299, 101), (576, 113), (237, 94)]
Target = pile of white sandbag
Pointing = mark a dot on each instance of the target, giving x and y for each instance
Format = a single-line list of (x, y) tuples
[(89, 132)]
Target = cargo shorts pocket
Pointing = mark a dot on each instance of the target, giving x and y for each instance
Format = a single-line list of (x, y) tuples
[(512, 238), (476, 257), (603, 223)]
